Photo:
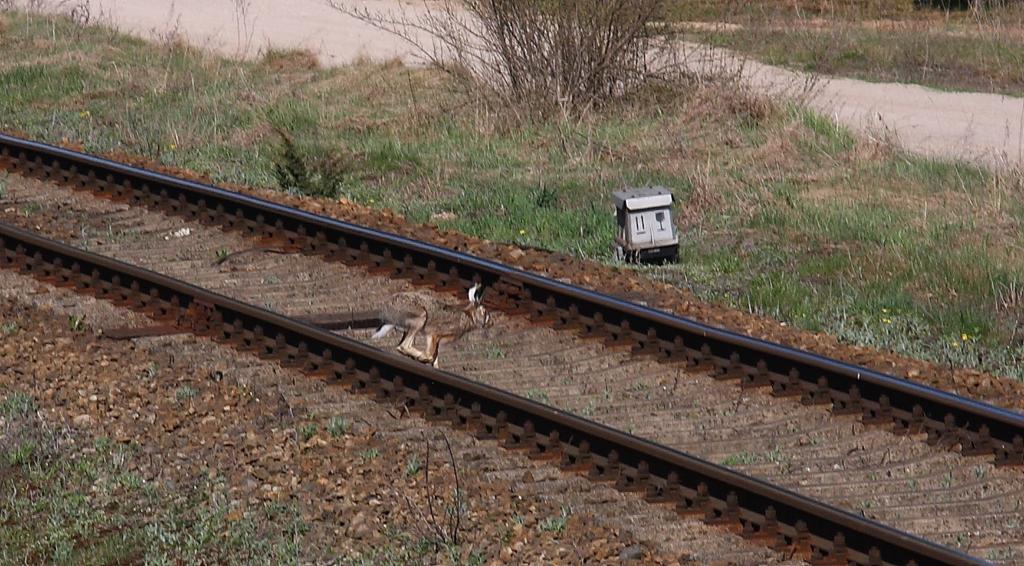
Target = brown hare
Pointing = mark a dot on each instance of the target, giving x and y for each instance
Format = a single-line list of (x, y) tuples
[(414, 312)]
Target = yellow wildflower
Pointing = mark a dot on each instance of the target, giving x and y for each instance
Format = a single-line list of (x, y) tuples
[(965, 337), (887, 320), (522, 232)]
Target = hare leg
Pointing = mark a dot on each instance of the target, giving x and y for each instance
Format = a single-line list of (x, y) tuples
[(383, 331), (431, 355), (406, 345)]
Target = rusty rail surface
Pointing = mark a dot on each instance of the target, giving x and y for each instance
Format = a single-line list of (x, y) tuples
[(951, 421), (777, 517)]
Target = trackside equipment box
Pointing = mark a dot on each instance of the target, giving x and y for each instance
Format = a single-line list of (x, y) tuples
[(645, 231)]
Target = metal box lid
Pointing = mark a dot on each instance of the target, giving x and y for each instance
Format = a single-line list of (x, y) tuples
[(642, 198)]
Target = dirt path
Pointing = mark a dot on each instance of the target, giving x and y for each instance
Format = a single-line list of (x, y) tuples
[(985, 128)]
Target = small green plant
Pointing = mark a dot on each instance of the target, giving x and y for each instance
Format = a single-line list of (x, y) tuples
[(980, 472), (545, 197), (76, 322), (369, 454), (337, 426), (31, 208), (3, 187), (947, 480), (307, 431), (638, 386), (589, 409), (8, 328), (21, 454), (999, 554), (308, 170), (17, 404), (412, 467), (185, 393), (495, 353), (222, 254), (741, 459), (537, 395), (555, 524)]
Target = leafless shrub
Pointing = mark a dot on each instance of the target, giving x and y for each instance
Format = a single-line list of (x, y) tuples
[(81, 13), (244, 28), (546, 56), (442, 521)]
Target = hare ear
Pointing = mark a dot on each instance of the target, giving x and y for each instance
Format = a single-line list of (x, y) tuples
[(472, 294)]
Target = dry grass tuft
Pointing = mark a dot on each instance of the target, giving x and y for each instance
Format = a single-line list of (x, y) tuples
[(290, 59)]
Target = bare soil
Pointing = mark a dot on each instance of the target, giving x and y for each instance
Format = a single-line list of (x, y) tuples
[(898, 480)]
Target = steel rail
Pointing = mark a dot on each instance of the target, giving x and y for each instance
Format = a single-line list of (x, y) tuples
[(949, 420), (775, 516)]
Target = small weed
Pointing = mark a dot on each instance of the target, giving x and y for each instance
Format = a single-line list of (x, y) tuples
[(947, 480), (999, 554), (412, 467), (185, 393), (545, 197), (912, 484), (476, 558), (589, 409), (271, 280), (17, 404), (555, 524), (307, 431), (222, 254), (369, 454), (3, 186), (8, 328), (980, 472), (495, 353), (21, 454), (31, 208), (76, 323), (537, 395), (308, 169), (741, 459), (337, 426)]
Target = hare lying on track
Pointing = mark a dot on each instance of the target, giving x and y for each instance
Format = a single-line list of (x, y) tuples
[(415, 311)]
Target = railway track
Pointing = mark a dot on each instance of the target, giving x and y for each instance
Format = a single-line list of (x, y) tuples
[(911, 487), (777, 517), (975, 428)]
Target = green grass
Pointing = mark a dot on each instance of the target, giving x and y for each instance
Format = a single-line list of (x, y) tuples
[(90, 508), (957, 50), (781, 211)]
